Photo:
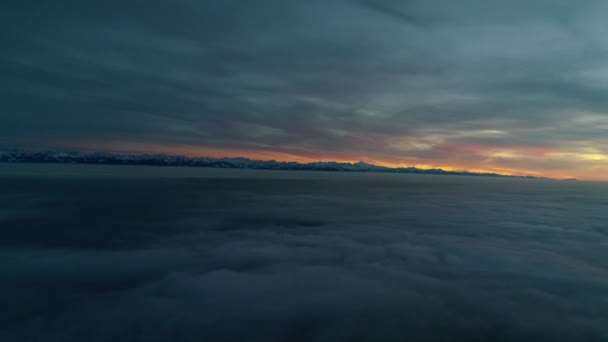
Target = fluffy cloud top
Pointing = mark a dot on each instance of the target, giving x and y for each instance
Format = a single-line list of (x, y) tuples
[(237, 256)]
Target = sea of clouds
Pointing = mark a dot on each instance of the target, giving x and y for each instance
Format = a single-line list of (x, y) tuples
[(281, 256)]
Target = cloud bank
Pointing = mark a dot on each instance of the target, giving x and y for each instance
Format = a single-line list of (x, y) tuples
[(236, 255)]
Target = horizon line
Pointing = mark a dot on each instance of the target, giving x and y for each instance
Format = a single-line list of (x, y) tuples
[(378, 168)]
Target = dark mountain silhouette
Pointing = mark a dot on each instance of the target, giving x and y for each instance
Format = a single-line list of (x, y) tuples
[(233, 163)]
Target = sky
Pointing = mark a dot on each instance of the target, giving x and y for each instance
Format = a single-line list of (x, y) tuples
[(514, 87)]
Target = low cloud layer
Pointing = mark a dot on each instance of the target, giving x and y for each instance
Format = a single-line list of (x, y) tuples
[(236, 255), (515, 87)]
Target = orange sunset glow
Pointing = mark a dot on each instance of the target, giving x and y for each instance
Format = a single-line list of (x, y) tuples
[(491, 158)]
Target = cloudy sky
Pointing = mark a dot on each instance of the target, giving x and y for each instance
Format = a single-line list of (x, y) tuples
[(513, 86)]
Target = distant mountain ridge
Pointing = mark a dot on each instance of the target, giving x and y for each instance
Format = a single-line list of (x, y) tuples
[(231, 163)]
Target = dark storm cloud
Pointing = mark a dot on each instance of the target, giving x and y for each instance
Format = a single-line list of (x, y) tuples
[(225, 256), (307, 77)]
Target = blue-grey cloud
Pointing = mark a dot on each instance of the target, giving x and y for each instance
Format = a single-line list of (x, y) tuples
[(337, 77), (236, 255), (387, 8)]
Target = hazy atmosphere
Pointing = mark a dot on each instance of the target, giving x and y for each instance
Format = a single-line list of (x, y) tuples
[(515, 87)]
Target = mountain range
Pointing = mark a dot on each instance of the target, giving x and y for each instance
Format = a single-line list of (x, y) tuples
[(232, 163)]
